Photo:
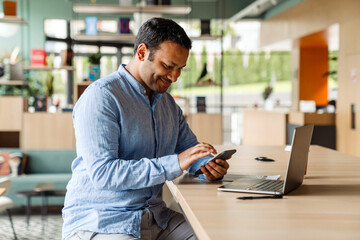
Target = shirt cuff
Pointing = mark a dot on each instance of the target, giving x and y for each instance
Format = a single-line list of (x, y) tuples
[(171, 166), (198, 163)]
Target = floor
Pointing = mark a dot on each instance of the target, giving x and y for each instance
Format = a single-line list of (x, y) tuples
[(39, 228)]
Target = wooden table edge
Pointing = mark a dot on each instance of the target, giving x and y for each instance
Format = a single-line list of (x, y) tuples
[(188, 213)]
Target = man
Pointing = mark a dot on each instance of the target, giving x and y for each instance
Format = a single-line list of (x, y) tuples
[(131, 137)]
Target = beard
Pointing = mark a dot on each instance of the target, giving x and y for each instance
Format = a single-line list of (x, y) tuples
[(163, 84)]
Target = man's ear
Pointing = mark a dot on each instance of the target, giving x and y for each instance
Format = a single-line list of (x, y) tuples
[(142, 51)]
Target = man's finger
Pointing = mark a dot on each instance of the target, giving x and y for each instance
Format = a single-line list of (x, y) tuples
[(215, 166), (222, 163), (202, 148), (207, 145), (207, 174), (213, 171)]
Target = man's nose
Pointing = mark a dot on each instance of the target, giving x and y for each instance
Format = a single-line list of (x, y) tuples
[(173, 76)]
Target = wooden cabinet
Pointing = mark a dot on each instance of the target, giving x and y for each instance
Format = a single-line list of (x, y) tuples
[(80, 88), (206, 127), (48, 131), (321, 119), (42, 130), (277, 128), (324, 133), (264, 128), (11, 109)]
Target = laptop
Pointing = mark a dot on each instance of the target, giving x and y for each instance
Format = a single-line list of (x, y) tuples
[(295, 170)]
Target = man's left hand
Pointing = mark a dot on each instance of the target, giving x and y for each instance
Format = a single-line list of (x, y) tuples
[(214, 171)]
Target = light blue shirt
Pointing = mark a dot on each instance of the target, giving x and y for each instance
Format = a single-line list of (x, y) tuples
[(127, 147)]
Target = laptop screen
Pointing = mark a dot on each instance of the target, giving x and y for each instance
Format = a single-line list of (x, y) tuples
[(298, 158)]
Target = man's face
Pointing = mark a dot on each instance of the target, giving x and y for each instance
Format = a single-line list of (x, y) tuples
[(165, 67)]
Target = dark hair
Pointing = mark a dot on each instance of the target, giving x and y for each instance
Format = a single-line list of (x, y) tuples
[(157, 30)]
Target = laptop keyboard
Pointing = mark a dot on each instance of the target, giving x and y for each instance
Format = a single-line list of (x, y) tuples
[(268, 185)]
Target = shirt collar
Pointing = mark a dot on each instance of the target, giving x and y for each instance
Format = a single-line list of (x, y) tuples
[(135, 84)]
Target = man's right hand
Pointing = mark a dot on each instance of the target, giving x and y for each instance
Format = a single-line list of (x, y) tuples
[(194, 153)]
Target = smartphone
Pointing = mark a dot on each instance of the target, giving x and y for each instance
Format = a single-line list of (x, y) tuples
[(223, 155)]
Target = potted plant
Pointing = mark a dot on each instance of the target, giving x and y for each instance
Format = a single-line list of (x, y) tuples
[(94, 60), (268, 104)]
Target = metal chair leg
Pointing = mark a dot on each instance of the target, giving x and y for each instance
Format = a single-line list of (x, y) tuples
[(28, 210), (11, 222)]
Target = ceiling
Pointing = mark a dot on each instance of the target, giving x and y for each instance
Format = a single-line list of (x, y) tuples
[(232, 10)]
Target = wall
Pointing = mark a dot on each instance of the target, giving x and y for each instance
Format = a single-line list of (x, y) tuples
[(314, 62), (312, 67), (316, 15), (35, 12)]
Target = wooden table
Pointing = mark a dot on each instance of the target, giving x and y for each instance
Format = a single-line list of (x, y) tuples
[(326, 206), (43, 190)]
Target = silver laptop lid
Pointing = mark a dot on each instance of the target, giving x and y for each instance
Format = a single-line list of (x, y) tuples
[(298, 158)]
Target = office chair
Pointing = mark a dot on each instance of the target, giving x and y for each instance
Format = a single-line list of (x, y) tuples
[(5, 202)]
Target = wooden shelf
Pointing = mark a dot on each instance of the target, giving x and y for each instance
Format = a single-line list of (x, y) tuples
[(127, 38), (107, 37), (14, 20), (206, 37), (12, 82), (9, 139), (84, 83), (118, 9), (68, 68)]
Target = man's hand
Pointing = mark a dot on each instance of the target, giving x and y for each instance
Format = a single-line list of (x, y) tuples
[(192, 154), (214, 171)]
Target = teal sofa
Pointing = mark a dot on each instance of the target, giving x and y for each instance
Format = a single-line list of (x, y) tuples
[(42, 166)]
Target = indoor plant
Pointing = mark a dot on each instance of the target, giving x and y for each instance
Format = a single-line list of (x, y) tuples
[(94, 69)]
